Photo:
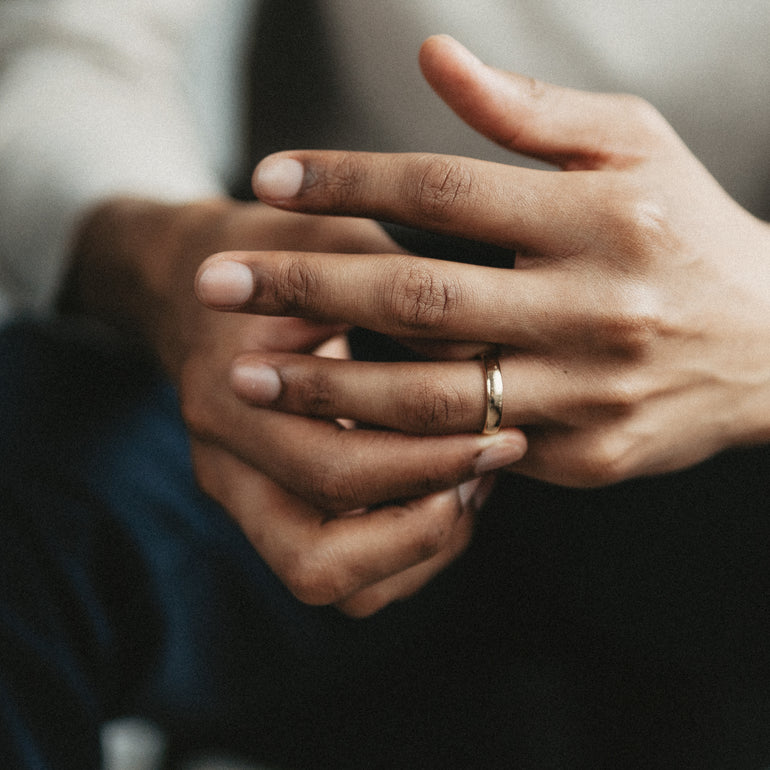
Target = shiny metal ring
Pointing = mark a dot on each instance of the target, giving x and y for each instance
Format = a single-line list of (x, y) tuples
[(494, 393)]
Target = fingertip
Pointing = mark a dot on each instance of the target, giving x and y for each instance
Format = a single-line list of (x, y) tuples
[(500, 450), (257, 383), (432, 43), (436, 48), (224, 283), (278, 178), (441, 40)]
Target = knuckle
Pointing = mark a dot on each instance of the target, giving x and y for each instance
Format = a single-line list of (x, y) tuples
[(613, 401), (607, 460), (430, 408), (332, 487), (640, 224), (340, 182), (419, 298), (632, 326), (296, 286), (628, 335), (440, 185), (641, 114), (619, 397), (312, 578), (314, 394)]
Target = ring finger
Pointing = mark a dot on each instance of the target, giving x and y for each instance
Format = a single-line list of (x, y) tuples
[(422, 398)]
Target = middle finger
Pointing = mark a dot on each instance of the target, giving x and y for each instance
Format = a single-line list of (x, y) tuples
[(397, 295)]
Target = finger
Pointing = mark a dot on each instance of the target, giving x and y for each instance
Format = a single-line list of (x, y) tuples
[(430, 398), (401, 586), (338, 470), (401, 296), (323, 560), (570, 128), (422, 398), (473, 495), (516, 208)]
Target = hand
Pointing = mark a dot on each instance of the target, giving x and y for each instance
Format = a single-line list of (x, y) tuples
[(289, 482), (634, 329)]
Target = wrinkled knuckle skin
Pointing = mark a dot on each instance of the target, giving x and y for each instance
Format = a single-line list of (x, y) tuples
[(429, 408), (296, 287), (314, 395), (331, 487), (419, 299), (339, 184), (440, 185)]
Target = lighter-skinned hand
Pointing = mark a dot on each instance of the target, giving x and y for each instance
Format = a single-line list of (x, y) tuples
[(633, 330)]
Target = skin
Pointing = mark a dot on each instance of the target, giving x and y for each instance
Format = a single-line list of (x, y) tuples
[(634, 330), (315, 499)]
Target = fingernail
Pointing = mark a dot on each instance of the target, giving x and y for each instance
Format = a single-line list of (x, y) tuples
[(260, 383), (277, 179), (501, 450), (226, 284), (466, 492)]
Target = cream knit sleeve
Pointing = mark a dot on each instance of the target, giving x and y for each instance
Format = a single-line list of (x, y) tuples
[(95, 101)]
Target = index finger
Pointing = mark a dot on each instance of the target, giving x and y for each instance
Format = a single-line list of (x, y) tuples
[(512, 207)]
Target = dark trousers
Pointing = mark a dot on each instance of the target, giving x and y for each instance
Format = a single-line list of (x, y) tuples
[(624, 627)]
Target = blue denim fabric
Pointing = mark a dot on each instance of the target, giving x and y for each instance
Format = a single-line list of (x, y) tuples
[(604, 628)]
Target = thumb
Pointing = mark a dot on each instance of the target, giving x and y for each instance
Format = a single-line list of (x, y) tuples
[(569, 128)]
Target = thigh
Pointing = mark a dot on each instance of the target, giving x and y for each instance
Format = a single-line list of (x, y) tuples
[(150, 601), (124, 589)]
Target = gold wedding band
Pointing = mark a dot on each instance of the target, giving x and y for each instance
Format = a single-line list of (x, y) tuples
[(494, 390)]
